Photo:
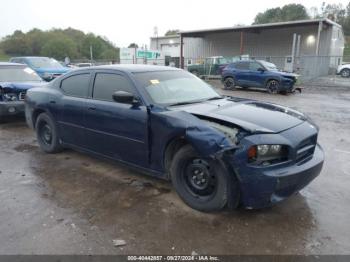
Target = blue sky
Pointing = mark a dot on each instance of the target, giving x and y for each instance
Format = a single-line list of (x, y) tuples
[(124, 21)]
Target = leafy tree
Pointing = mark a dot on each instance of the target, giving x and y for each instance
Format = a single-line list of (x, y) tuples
[(172, 32), (60, 47), (58, 43), (290, 12), (133, 45)]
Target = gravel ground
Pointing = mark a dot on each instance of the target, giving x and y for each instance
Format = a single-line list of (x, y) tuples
[(71, 203)]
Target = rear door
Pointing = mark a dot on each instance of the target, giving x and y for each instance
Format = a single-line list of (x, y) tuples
[(241, 73), (75, 90), (114, 129)]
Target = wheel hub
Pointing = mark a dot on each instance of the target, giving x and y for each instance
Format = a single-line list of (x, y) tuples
[(46, 134), (200, 181)]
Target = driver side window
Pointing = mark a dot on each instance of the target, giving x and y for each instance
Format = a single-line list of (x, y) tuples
[(106, 84)]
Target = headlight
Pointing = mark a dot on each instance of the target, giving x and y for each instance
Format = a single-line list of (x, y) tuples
[(10, 97), (267, 154)]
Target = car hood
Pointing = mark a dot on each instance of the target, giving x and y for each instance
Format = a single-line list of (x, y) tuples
[(52, 70), (20, 86), (254, 116), (286, 74)]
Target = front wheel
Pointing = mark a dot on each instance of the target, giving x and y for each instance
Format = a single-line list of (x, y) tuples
[(47, 135), (345, 72), (272, 86), (201, 183)]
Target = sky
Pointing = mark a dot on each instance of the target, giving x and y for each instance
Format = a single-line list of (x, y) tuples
[(124, 22)]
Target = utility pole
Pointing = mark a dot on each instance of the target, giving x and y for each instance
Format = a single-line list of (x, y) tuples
[(91, 57)]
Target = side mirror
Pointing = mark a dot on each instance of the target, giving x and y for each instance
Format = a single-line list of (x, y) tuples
[(261, 70), (125, 98)]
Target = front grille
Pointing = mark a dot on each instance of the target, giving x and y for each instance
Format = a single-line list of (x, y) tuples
[(306, 149), (22, 96)]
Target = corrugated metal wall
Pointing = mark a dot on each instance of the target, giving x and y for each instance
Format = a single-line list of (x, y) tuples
[(269, 42)]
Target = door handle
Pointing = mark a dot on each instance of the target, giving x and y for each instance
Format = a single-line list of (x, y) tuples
[(91, 108)]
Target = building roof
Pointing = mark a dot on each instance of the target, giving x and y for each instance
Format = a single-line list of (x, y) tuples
[(165, 37), (257, 27)]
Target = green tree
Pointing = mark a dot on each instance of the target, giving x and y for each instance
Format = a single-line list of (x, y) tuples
[(133, 45), (172, 32), (60, 47), (290, 12)]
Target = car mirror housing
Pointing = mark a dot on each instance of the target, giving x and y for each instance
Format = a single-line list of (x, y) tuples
[(125, 98), (262, 70)]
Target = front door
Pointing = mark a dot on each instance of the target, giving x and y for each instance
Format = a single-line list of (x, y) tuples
[(114, 129)]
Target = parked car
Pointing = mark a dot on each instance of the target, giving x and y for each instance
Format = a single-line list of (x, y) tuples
[(344, 70), (217, 151), (211, 66), (47, 68), (15, 80), (259, 74)]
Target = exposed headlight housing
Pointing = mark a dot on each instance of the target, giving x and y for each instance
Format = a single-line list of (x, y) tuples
[(267, 154), (10, 97)]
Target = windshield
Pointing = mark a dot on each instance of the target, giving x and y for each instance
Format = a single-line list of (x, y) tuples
[(175, 87), (269, 66), (44, 62), (17, 74)]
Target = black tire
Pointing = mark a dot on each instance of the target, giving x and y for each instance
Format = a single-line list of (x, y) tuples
[(229, 83), (201, 183), (46, 133), (345, 72), (273, 86)]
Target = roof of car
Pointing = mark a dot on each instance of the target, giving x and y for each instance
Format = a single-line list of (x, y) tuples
[(134, 68), (9, 64)]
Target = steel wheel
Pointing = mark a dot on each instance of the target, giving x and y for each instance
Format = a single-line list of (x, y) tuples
[(199, 181)]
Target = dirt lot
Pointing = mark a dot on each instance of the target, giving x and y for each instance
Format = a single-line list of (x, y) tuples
[(70, 203)]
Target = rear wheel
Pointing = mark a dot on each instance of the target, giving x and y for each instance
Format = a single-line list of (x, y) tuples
[(272, 86), (229, 83), (47, 135), (345, 72), (201, 183)]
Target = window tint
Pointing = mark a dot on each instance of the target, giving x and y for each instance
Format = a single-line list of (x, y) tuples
[(76, 85), (242, 65), (254, 66), (106, 84)]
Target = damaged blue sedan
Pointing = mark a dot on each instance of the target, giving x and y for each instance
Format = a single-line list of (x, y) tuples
[(15, 80), (218, 151)]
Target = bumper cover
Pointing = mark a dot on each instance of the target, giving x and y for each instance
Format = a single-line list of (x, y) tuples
[(264, 187), (11, 108)]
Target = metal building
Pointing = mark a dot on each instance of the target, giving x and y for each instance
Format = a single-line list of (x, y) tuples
[(169, 46), (310, 47)]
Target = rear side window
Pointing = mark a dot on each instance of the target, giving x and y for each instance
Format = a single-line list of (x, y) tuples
[(242, 65), (76, 85), (254, 66), (108, 83)]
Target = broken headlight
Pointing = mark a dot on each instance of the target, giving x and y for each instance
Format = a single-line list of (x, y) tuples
[(267, 154), (10, 97)]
